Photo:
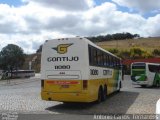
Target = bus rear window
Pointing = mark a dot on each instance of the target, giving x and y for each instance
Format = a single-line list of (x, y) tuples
[(139, 66)]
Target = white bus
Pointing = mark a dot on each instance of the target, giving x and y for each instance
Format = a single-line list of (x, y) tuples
[(76, 70), (158, 110), (145, 74), (18, 74), (23, 73)]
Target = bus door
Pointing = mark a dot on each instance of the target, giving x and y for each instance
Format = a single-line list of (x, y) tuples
[(153, 73)]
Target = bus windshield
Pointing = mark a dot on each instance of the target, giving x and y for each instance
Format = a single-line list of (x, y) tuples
[(138, 69), (138, 66)]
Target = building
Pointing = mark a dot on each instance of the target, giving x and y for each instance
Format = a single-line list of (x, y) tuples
[(150, 60), (127, 62)]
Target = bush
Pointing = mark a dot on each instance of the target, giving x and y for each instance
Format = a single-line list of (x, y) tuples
[(114, 50), (136, 53), (125, 54), (133, 53), (156, 52)]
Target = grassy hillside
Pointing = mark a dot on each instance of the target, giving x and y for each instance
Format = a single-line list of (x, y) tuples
[(148, 44)]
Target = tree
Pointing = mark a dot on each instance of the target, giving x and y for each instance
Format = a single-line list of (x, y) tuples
[(39, 49), (156, 52), (11, 57), (116, 36)]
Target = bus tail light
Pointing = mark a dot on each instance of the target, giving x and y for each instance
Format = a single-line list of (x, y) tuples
[(85, 84), (42, 83)]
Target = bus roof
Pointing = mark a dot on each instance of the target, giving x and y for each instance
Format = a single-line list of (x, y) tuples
[(90, 43), (146, 63)]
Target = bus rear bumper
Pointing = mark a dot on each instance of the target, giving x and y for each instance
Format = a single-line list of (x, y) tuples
[(67, 97), (140, 83)]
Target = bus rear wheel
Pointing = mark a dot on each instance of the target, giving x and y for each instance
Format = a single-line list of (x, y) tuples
[(143, 86), (120, 86), (104, 95), (100, 95), (158, 83)]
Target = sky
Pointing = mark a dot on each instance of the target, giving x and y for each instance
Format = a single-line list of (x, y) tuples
[(28, 23)]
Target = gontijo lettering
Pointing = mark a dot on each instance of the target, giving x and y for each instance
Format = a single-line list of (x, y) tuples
[(57, 59)]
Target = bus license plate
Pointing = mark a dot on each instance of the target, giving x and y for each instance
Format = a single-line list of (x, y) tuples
[(65, 86)]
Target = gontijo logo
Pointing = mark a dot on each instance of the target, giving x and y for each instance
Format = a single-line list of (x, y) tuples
[(62, 48)]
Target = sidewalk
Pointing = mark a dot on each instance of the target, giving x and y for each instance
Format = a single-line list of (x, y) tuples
[(11, 82)]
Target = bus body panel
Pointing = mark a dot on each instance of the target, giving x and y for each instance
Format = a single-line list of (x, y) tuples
[(156, 78), (109, 77), (150, 78), (86, 95), (69, 79), (72, 60), (63, 67), (79, 95)]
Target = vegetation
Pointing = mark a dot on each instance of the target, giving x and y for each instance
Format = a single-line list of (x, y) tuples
[(108, 37), (35, 59), (11, 57), (156, 52), (148, 44), (114, 51), (132, 48), (133, 53), (117, 36), (39, 50)]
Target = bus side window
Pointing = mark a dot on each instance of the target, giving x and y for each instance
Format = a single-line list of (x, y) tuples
[(101, 58), (117, 63), (114, 62), (95, 57), (90, 56), (159, 69), (104, 60), (111, 61), (153, 68), (98, 58), (107, 60)]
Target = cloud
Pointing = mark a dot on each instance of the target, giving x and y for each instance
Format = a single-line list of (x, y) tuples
[(6, 22), (69, 5), (33, 23), (107, 19), (152, 27), (142, 6)]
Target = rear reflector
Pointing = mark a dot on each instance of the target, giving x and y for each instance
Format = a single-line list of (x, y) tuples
[(63, 82), (60, 77), (85, 84)]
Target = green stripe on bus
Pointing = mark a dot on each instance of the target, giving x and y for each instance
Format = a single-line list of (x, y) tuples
[(156, 78)]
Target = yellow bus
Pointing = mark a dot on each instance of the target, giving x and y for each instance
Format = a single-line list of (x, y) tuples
[(77, 70)]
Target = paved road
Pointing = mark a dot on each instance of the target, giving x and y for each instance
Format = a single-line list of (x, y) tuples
[(23, 96)]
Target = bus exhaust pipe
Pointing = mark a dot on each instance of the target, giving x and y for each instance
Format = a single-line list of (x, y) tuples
[(49, 99)]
